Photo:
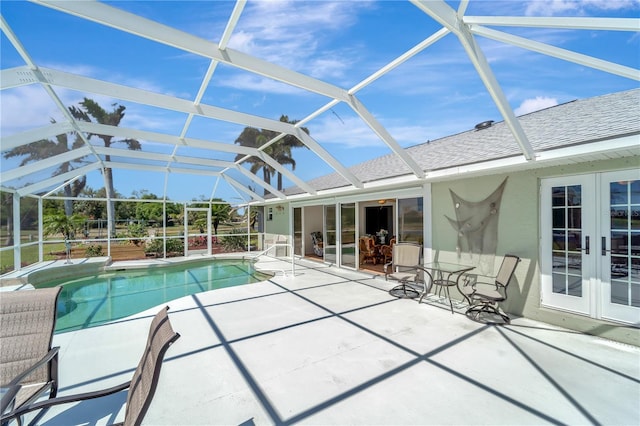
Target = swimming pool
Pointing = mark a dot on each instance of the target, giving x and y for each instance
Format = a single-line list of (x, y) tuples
[(93, 300)]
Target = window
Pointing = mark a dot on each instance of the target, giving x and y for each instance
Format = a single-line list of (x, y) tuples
[(410, 220), (270, 214)]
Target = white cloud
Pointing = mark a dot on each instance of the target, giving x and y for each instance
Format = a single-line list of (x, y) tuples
[(346, 131), (257, 83), (14, 117), (352, 132), (558, 7), (294, 34), (535, 104)]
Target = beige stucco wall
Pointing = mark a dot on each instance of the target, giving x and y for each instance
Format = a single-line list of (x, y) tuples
[(518, 233), (280, 222)]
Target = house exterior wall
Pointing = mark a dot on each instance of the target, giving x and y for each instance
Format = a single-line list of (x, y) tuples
[(279, 223), (519, 234)]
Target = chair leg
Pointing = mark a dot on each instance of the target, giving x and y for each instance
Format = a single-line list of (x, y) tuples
[(403, 291), (488, 308), (449, 297)]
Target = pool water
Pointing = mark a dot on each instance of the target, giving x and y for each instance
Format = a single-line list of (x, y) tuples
[(93, 300)]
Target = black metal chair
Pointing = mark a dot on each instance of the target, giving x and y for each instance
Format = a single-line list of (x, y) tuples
[(142, 386), (484, 296)]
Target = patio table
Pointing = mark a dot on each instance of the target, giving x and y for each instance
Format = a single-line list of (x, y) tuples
[(444, 275)]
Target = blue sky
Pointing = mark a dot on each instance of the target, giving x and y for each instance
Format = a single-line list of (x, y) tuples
[(434, 94)]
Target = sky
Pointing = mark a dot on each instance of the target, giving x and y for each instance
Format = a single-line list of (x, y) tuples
[(434, 94)]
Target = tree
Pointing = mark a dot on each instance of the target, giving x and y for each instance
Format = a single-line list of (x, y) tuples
[(89, 109), (45, 148), (254, 138), (252, 215), (283, 156), (279, 150), (149, 212), (219, 213), (6, 215), (90, 207), (62, 224)]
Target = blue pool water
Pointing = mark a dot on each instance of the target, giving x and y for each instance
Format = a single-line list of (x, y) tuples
[(93, 300)]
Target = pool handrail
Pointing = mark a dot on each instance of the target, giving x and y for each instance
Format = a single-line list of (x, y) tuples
[(276, 245)]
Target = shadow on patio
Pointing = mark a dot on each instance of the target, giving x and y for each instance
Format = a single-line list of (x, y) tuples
[(330, 346)]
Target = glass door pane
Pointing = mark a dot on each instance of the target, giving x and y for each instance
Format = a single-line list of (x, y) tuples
[(568, 243), (348, 234), (297, 231), (330, 234), (620, 246), (410, 220)]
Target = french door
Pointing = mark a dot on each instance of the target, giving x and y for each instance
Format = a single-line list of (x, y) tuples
[(590, 244)]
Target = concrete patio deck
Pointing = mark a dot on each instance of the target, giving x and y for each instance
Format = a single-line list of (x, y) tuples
[(332, 347)]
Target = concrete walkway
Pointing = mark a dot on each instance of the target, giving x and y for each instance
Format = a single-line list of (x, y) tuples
[(332, 347)]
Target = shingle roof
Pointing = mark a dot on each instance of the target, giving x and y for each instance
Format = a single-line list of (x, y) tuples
[(572, 123)]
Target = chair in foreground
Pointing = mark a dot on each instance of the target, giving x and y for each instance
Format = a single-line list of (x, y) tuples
[(403, 268), (28, 363), (485, 296), (142, 386)]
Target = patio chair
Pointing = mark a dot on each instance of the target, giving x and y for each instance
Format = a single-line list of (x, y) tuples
[(484, 296), (318, 246), (142, 386), (386, 251), (28, 363), (403, 268), (368, 251)]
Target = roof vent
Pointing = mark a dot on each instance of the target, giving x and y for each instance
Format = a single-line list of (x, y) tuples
[(484, 125)]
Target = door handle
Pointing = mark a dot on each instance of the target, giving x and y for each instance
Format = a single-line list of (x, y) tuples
[(586, 245), (604, 246)]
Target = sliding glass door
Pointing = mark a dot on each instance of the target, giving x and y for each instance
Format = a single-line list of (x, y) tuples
[(297, 231), (348, 235), (330, 234), (410, 220)]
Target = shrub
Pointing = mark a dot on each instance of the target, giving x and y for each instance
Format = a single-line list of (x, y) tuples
[(175, 247), (233, 243), (137, 231), (94, 250)]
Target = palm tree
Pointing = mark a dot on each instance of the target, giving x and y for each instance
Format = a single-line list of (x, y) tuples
[(279, 151), (254, 138), (253, 218), (45, 148), (62, 224), (89, 109), (220, 213)]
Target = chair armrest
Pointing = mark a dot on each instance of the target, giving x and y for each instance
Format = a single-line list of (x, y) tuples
[(51, 355), (9, 396), (62, 400)]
